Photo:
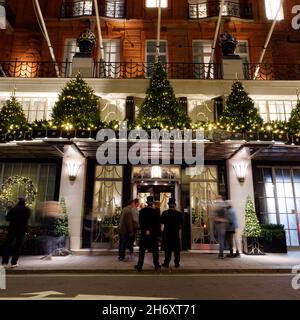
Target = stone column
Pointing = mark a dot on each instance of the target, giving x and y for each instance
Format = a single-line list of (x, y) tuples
[(238, 192), (74, 194)]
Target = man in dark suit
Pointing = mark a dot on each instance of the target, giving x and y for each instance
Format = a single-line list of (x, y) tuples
[(149, 220), (18, 218), (172, 220)]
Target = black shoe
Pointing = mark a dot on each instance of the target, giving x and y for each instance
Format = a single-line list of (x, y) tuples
[(158, 267), (221, 256), (165, 265), (230, 255), (237, 255), (177, 265), (138, 268)]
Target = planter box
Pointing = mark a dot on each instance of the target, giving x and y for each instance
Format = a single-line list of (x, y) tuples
[(253, 245), (275, 245), (52, 133), (68, 134), (39, 133)]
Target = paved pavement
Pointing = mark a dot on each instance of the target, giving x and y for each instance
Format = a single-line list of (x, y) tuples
[(86, 261)]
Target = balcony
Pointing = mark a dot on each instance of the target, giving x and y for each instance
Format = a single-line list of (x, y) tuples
[(237, 9), (76, 9), (142, 70)]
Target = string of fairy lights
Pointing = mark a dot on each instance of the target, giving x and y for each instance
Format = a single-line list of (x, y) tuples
[(78, 108)]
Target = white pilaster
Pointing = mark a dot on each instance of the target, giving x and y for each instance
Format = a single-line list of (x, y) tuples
[(73, 192), (238, 192)]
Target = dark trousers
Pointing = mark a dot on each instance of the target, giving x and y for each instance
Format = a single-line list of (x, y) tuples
[(168, 257), (151, 244), (230, 236), (124, 240), (8, 247)]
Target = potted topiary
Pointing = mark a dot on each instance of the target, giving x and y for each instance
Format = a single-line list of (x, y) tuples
[(274, 238), (86, 41), (252, 240), (228, 43)]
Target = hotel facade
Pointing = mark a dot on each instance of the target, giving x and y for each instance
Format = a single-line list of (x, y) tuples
[(264, 167)]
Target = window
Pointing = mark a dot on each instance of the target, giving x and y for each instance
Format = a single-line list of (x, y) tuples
[(150, 54), (278, 190), (203, 8), (112, 58), (107, 204), (43, 176), (201, 59), (272, 7), (156, 3), (77, 8), (69, 52), (275, 110), (115, 8)]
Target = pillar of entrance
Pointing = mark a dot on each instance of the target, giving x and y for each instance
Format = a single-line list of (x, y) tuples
[(73, 192), (239, 191)]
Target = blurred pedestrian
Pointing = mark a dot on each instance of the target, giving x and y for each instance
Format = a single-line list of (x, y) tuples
[(149, 220), (220, 222), (172, 220), (135, 217), (231, 230), (125, 229), (18, 218)]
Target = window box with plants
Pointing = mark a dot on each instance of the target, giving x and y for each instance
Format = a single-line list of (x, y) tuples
[(274, 238), (252, 235)]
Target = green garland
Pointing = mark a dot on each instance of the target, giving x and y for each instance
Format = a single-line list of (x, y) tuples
[(6, 192)]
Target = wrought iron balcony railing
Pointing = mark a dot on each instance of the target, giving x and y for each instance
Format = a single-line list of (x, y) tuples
[(80, 8), (238, 9), (119, 70), (141, 70)]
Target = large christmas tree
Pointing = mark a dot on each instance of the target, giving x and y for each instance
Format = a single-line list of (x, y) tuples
[(252, 226), (294, 122), (77, 105), (161, 109), (240, 113), (12, 116)]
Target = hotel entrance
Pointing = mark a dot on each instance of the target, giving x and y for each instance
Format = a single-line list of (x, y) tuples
[(160, 182)]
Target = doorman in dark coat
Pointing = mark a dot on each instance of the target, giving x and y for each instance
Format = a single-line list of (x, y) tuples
[(172, 220), (149, 220), (18, 218)]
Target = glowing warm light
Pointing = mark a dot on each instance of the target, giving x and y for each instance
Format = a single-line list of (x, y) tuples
[(156, 3)]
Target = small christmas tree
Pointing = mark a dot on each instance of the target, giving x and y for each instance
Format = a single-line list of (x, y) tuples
[(161, 109), (77, 105), (12, 116), (294, 122), (240, 113), (252, 226), (62, 222)]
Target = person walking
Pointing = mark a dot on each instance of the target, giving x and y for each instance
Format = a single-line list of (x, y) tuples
[(231, 230), (135, 217), (125, 229), (172, 220), (18, 218), (149, 220), (220, 222)]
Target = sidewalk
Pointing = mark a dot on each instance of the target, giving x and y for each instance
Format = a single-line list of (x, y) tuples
[(191, 262)]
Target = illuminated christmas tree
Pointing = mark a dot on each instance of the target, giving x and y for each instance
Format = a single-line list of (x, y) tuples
[(240, 113), (252, 226), (294, 122), (161, 109), (12, 116), (77, 106)]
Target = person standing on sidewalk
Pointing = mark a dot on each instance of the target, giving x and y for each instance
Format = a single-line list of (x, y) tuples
[(220, 222), (135, 217), (125, 229), (149, 220), (172, 220), (231, 230), (18, 218)]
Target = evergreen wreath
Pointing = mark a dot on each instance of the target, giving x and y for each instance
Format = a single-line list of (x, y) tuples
[(6, 191)]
